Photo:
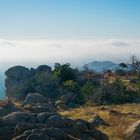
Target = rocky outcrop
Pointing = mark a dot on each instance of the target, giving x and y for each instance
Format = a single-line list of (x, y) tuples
[(68, 97), (18, 72), (16, 82), (20, 81), (30, 86), (58, 128), (133, 132), (25, 125), (33, 98)]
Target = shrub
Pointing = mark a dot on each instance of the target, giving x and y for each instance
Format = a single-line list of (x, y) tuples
[(87, 92), (64, 72), (117, 92), (71, 85)]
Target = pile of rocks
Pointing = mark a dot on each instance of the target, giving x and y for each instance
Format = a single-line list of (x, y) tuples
[(58, 128), (46, 126), (42, 122)]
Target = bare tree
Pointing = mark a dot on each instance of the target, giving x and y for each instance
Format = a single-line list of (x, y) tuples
[(133, 63), (138, 67)]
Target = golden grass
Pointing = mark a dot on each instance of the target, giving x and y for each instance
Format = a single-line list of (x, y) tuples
[(117, 123)]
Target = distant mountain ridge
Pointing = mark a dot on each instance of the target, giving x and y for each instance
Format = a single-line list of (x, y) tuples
[(100, 66)]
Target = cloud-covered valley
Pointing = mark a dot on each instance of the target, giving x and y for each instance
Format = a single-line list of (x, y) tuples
[(77, 52)]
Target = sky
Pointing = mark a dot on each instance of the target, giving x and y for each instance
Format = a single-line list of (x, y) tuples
[(76, 31), (20, 19)]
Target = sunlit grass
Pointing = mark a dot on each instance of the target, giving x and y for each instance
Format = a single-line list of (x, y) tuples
[(117, 124)]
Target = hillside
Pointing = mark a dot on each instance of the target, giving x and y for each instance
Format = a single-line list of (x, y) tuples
[(100, 66)]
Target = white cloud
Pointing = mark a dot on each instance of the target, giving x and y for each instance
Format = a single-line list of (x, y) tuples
[(74, 51)]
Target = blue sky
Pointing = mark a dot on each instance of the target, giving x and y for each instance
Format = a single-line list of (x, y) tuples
[(69, 19)]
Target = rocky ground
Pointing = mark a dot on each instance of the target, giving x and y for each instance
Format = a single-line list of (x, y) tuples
[(40, 121)]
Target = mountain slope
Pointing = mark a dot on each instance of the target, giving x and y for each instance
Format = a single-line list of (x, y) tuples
[(100, 66)]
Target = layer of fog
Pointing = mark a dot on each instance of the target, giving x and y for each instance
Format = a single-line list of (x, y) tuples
[(77, 52)]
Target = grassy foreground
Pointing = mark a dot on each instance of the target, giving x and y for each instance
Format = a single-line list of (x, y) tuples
[(119, 117)]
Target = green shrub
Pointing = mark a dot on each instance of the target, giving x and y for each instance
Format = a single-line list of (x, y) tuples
[(87, 89), (71, 85), (64, 72)]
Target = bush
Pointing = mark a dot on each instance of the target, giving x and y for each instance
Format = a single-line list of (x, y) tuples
[(87, 89), (71, 85), (64, 72), (117, 92)]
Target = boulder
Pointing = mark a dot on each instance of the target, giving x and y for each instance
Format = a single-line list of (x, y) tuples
[(16, 90), (33, 98), (55, 121), (16, 82), (43, 68), (42, 117), (22, 128), (41, 107), (18, 73), (3, 111), (21, 137), (6, 132), (133, 132), (68, 97), (97, 121), (73, 132), (38, 137), (81, 125), (58, 133), (68, 122), (15, 117)]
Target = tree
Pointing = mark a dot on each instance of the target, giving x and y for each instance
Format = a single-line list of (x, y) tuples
[(133, 63), (64, 72), (71, 85), (87, 89), (138, 68), (123, 66)]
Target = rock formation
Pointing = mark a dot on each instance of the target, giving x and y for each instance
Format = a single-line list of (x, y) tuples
[(20, 81)]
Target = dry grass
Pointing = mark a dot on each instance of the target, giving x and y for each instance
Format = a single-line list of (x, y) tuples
[(117, 127), (117, 123)]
